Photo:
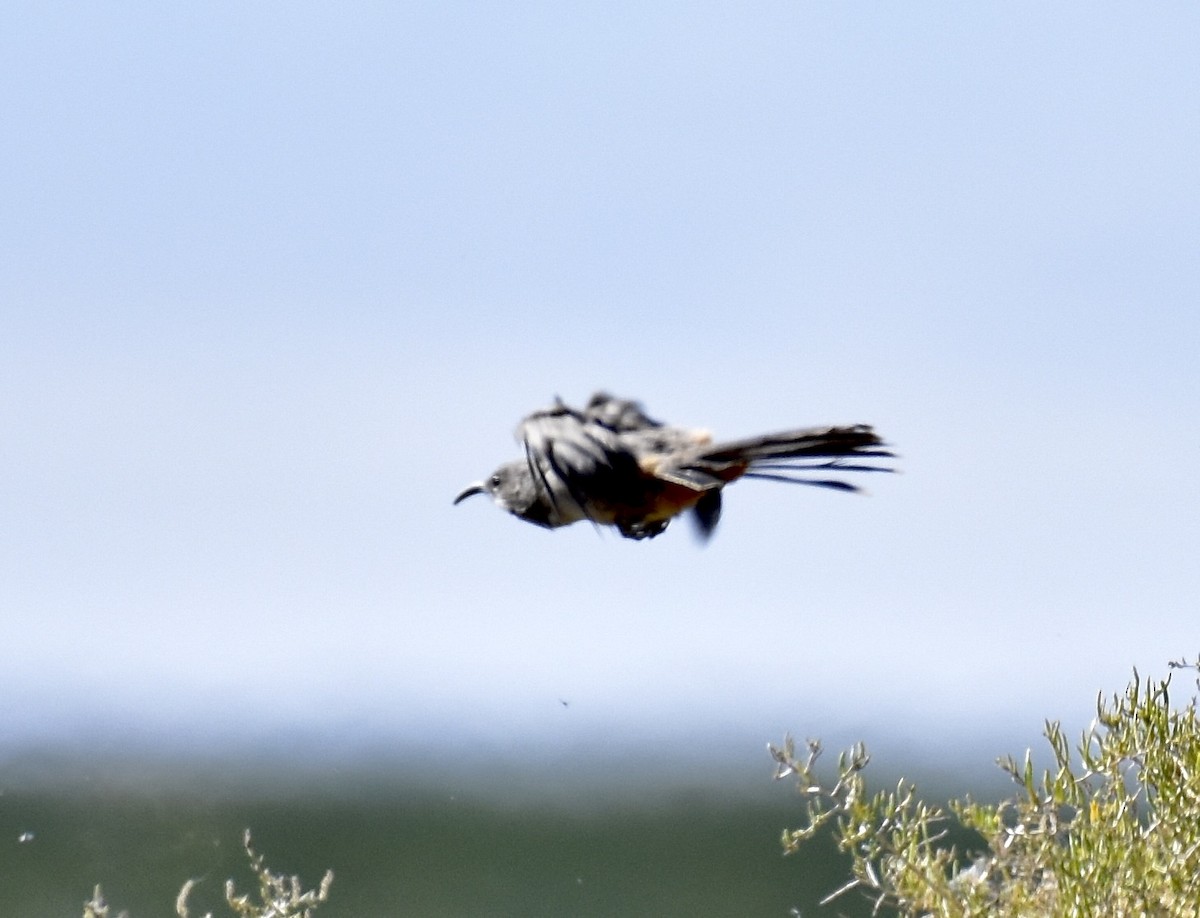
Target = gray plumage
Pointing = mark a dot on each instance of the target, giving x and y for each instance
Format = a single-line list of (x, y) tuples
[(613, 465)]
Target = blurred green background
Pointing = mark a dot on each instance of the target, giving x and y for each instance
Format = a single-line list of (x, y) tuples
[(405, 845), (414, 852)]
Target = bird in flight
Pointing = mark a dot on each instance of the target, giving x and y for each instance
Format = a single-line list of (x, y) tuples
[(613, 465)]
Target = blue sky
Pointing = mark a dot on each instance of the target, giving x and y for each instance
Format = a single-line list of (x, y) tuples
[(279, 279)]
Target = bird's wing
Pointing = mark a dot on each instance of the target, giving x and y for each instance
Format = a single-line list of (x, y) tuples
[(579, 463), (667, 453), (618, 414)]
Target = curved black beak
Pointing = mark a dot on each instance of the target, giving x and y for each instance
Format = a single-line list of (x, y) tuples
[(473, 488)]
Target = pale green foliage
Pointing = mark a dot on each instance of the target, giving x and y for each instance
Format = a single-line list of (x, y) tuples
[(1111, 830), (279, 896), (96, 907)]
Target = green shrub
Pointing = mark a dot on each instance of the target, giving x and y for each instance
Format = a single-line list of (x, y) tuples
[(1111, 830)]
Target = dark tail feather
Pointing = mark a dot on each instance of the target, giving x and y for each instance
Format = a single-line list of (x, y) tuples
[(781, 457), (815, 442), (833, 483)]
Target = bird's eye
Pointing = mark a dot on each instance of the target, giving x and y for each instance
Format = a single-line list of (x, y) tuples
[(495, 481)]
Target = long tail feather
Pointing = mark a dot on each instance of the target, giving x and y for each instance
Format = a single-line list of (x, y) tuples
[(859, 440), (815, 482), (836, 465), (792, 455)]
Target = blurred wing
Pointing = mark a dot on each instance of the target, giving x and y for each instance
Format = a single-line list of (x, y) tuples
[(619, 414), (576, 461)]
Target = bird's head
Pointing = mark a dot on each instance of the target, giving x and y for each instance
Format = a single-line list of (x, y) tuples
[(513, 488)]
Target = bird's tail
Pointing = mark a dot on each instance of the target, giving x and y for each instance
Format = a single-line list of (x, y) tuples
[(796, 456)]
